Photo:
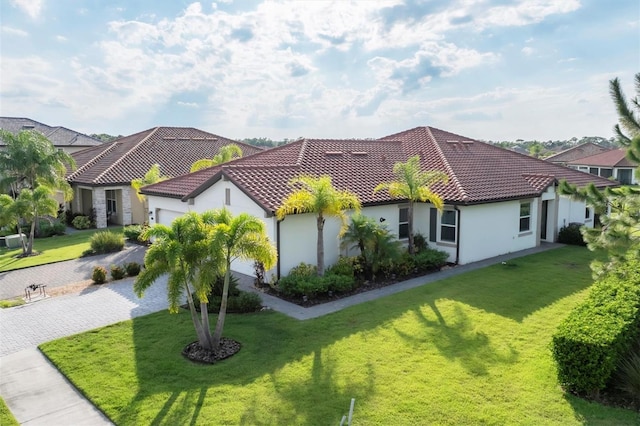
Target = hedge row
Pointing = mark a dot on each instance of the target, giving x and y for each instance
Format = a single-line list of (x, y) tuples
[(590, 342)]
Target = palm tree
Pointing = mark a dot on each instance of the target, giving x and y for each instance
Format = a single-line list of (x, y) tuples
[(236, 237), (30, 205), (318, 195), (182, 252), (151, 177), (30, 159), (414, 185), (225, 154)]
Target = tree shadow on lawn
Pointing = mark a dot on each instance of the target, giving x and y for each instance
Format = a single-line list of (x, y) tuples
[(457, 339)]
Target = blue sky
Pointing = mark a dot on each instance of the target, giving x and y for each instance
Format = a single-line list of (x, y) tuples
[(487, 69)]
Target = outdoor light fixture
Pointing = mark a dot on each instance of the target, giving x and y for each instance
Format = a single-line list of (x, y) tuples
[(382, 219)]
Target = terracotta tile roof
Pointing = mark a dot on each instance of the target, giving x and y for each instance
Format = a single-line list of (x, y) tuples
[(612, 158), (478, 172), (576, 152), (58, 135), (130, 157)]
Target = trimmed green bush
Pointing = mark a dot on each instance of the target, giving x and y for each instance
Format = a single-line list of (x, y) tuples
[(591, 341), (132, 232), (419, 242), (571, 234), (117, 272), (81, 222), (243, 303), (349, 266), (312, 285), (106, 242), (132, 268), (99, 275), (49, 229), (429, 260), (628, 375)]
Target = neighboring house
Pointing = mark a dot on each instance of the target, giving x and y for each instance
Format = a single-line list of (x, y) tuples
[(102, 180), (580, 151), (62, 138), (610, 164), (497, 201)]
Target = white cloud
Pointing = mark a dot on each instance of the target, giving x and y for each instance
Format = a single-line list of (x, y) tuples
[(526, 12), (14, 31), (61, 38), (528, 51), (33, 8), (187, 104)]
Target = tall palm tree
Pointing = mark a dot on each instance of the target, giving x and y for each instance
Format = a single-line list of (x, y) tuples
[(236, 237), (628, 118), (30, 205), (414, 185), (318, 195), (30, 159), (182, 252), (151, 177), (225, 154)]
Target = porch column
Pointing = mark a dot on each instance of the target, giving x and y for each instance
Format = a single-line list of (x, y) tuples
[(100, 206), (126, 205)]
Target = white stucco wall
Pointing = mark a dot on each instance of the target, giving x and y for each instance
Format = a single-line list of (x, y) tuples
[(572, 211), (489, 230)]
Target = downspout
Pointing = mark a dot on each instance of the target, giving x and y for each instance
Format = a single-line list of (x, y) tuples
[(278, 247), (455, 207)]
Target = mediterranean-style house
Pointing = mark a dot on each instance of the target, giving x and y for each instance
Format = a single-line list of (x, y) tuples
[(575, 153), (496, 202), (102, 179), (62, 138), (609, 164)]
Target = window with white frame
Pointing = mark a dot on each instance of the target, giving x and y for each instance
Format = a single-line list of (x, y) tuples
[(606, 173), (624, 176), (448, 226), (525, 216), (110, 196), (403, 222)]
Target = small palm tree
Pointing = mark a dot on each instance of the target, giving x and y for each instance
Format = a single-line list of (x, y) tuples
[(236, 237), (318, 195), (224, 155), (182, 252), (151, 177), (30, 205), (414, 185)]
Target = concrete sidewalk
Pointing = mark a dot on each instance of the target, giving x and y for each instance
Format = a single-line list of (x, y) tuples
[(37, 394)]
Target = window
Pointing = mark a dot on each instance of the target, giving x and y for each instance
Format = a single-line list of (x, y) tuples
[(110, 195), (587, 213), (593, 170), (448, 226), (606, 173), (624, 176), (227, 196), (403, 223), (525, 217)]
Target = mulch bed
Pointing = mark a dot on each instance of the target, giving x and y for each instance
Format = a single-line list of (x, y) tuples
[(196, 353)]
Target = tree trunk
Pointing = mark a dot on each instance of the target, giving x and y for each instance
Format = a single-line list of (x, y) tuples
[(410, 227), (217, 334), (203, 338), (320, 246)]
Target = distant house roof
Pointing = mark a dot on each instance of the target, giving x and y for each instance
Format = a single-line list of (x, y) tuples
[(478, 172), (612, 158), (58, 135), (130, 157), (576, 152)]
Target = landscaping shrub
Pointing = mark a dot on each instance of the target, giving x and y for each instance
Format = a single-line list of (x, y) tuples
[(628, 375), (404, 266), (300, 285), (338, 283), (571, 234), (117, 272), (132, 232), (99, 275), (304, 270), (216, 290), (243, 303), (49, 229), (429, 260), (419, 242), (81, 222), (349, 266), (590, 342), (106, 242), (132, 268)]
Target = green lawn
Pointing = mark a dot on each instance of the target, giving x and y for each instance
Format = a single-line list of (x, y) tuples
[(6, 418), (472, 349), (52, 249)]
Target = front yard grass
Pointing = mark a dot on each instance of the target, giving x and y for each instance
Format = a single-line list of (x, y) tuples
[(52, 249), (6, 418), (471, 349)]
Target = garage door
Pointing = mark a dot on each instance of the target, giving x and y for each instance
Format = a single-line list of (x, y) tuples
[(165, 217)]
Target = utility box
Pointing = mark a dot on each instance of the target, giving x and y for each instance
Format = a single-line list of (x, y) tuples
[(13, 241)]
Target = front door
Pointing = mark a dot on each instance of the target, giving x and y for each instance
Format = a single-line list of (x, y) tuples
[(543, 222)]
